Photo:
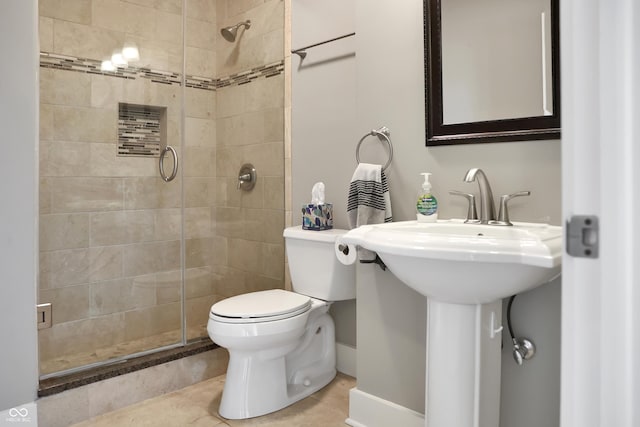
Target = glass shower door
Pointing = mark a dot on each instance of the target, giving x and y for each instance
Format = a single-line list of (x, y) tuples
[(111, 228)]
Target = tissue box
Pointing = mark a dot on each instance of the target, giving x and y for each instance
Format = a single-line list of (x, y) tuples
[(317, 217)]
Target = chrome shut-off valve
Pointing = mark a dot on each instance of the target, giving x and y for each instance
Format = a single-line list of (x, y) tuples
[(523, 349)]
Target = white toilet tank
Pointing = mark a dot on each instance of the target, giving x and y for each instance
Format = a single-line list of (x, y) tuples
[(315, 270)]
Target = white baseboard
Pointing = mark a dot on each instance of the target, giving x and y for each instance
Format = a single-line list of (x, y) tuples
[(346, 359), (367, 410), (21, 415)]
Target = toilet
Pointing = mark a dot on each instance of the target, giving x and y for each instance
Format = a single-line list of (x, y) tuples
[(282, 344)]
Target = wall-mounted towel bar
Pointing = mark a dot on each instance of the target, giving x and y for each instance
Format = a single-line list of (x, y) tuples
[(301, 52)]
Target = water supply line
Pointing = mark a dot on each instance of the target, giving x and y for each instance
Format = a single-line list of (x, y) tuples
[(523, 348)]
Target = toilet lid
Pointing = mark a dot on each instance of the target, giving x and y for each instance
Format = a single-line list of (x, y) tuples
[(273, 304)]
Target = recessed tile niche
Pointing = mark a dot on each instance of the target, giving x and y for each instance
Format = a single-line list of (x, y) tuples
[(142, 130)]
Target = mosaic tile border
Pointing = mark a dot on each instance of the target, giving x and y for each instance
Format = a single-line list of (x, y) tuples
[(92, 66)]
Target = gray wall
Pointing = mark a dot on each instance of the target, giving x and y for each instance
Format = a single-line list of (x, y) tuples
[(18, 249), (389, 90)]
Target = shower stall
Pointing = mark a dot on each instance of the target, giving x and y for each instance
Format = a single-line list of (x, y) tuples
[(131, 259)]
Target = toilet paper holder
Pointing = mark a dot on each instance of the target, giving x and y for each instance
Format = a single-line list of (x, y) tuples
[(377, 260)]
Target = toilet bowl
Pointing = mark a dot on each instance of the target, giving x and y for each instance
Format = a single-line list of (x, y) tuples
[(282, 344)]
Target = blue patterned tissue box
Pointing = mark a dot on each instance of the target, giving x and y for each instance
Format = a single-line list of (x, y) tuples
[(317, 217)]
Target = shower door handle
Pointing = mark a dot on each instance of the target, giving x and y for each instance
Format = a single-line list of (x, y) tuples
[(174, 172)]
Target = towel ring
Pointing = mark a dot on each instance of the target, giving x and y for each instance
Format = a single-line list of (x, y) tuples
[(383, 134)]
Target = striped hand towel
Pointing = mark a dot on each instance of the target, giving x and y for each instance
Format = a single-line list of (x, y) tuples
[(368, 201)]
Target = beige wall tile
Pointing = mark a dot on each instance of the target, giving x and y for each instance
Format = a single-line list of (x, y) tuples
[(198, 314), (150, 193), (168, 27), (44, 198), (199, 161), (85, 41), (168, 287), (69, 10), (152, 320), (274, 193), (204, 10), (154, 257), (64, 158), (65, 88), (197, 223), (245, 255), (64, 231), (68, 303), (200, 132), (46, 122), (198, 252), (219, 252), (273, 261), (107, 92), (229, 222), (229, 160), (263, 225), (105, 263), (124, 17), (197, 192), (269, 158), (236, 7), (200, 103), (158, 55), (64, 268), (230, 100), (253, 198), (274, 126), (200, 62), (122, 295), (168, 224), (258, 282), (45, 32), (201, 34), (228, 281), (198, 282), (103, 161), (81, 336), (122, 227), (85, 124), (172, 6), (266, 94), (84, 194)]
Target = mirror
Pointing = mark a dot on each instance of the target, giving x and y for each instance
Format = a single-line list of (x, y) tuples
[(492, 70)]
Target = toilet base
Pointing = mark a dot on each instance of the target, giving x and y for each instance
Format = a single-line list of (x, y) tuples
[(259, 383)]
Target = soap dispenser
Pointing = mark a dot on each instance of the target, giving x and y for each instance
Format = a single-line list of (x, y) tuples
[(427, 204)]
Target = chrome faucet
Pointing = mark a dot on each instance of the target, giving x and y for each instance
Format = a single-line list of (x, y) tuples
[(487, 208)]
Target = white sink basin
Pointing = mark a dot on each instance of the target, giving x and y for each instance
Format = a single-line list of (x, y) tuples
[(454, 262)]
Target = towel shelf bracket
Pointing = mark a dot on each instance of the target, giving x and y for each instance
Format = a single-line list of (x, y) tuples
[(383, 134)]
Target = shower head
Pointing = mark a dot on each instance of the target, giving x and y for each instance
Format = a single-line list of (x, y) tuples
[(229, 33)]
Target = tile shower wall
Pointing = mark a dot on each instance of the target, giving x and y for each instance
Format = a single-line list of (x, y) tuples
[(248, 243), (110, 230)]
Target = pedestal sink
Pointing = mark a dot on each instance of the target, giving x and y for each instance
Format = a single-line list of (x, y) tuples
[(464, 270)]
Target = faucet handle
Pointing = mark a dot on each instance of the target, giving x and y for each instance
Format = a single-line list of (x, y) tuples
[(472, 213), (503, 213)]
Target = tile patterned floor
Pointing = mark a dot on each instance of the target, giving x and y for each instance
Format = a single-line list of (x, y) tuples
[(197, 406)]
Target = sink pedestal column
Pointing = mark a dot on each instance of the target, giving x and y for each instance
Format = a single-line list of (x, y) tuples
[(463, 364)]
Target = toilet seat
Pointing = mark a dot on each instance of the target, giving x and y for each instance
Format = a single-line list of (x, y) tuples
[(261, 306)]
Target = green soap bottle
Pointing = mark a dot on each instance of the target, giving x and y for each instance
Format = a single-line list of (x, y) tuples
[(427, 204)]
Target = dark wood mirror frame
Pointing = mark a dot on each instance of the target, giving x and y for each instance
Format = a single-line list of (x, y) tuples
[(519, 129)]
